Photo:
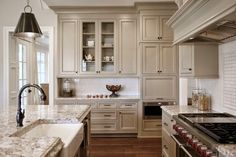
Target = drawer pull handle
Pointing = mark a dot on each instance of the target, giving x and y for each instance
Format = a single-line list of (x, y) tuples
[(107, 105), (107, 115), (157, 125), (165, 124), (165, 147), (128, 105), (172, 120), (107, 126)]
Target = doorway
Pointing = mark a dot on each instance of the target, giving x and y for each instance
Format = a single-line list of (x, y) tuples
[(28, 61)]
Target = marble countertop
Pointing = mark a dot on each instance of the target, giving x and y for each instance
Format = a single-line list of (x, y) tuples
[(227, 150), (36, 147)]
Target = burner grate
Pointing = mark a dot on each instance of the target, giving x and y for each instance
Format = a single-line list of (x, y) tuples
[(221, 132)]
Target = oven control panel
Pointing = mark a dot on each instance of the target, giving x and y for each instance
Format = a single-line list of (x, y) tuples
[(191, 141)]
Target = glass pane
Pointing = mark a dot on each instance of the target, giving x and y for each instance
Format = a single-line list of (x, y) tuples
[(20, 71), (42, 78), (43, 57), (24, 72), (20, 52), (24, 53), (42, 68)]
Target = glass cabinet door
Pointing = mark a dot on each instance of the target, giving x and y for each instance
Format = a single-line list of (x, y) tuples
[(107, 53), (88, 46)]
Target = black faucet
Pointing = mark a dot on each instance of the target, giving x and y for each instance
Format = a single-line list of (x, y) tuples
[(20, 115)]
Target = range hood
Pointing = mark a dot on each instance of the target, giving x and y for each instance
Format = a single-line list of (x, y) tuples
[(213, 20), (223, 30)]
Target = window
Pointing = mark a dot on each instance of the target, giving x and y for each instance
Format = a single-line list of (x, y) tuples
[(22, 62), (42, 67)]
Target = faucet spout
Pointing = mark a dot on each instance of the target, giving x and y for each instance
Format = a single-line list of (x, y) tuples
[(20, 115)]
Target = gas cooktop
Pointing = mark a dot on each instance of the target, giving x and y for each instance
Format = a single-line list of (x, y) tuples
[(221, 132), (192, 118), (219, 126)]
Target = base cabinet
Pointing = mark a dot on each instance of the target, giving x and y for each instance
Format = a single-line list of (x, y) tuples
[(168, 144), (114, 118), (128, 120)]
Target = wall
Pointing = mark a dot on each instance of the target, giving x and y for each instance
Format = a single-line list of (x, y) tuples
[(10, 11), (94, 86), (215, 86)]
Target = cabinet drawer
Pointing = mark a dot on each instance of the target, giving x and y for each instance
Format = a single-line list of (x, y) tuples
[(128, 105), (166, 145), (167, 123), (151, 125), (107, 105), (103, 126), (104, 115)]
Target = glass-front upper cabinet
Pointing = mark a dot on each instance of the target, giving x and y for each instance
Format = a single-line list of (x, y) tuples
[(89, 51), (107, 49), (97, 47)]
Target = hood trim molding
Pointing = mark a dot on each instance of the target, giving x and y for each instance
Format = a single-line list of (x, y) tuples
[(195, 16)]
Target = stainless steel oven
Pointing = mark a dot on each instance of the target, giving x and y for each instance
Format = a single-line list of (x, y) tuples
[(182, 149), (152, 110)]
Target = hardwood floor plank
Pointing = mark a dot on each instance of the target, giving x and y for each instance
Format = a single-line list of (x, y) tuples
[(125, 147)]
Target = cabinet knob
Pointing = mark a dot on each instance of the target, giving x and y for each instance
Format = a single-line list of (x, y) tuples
[(160, 71), (190, 69), (165, 146), (96, 71), (165, 124), (76, 72), (120, 71), (160, 37), (99, 72)]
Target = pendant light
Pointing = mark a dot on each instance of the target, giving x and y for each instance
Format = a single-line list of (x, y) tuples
[(27, 25)]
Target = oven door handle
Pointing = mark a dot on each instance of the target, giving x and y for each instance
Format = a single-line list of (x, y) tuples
[(182, 146), (176, 140)]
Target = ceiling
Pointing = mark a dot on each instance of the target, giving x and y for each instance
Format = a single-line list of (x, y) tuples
[(96, 3)]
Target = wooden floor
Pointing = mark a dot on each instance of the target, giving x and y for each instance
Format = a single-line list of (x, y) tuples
[(125, 147)]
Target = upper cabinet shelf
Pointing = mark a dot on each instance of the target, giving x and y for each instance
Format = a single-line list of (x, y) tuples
[(90, 47)]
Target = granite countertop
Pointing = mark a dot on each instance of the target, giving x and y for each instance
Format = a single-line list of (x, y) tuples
[(34, 114), (227, 150)]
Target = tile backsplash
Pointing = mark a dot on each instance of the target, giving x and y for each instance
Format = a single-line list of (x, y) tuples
[(84, 86)]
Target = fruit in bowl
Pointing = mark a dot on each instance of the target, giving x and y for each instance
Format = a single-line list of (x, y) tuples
[(113, 89)]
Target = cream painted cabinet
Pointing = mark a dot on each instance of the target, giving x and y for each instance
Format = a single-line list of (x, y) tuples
[(168, 144), (114, 117), (68, 35), (160, 88), (159, 59), (128, 47), (154, 28), (98, 48), (198, 60), (128, 120)]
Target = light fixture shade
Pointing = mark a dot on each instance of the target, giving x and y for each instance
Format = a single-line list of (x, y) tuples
[(27, 26)]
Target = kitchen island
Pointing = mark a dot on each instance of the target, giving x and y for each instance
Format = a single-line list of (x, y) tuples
[(224, 150), (36, 114)]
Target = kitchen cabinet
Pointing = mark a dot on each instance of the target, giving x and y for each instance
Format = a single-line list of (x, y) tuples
[(128, 46), (114, 117), (198, 60), (68, 31), (168, 144), (154, 28), (128, 120), (98, 48), (151, 128), (160, 88), (159, 59)]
